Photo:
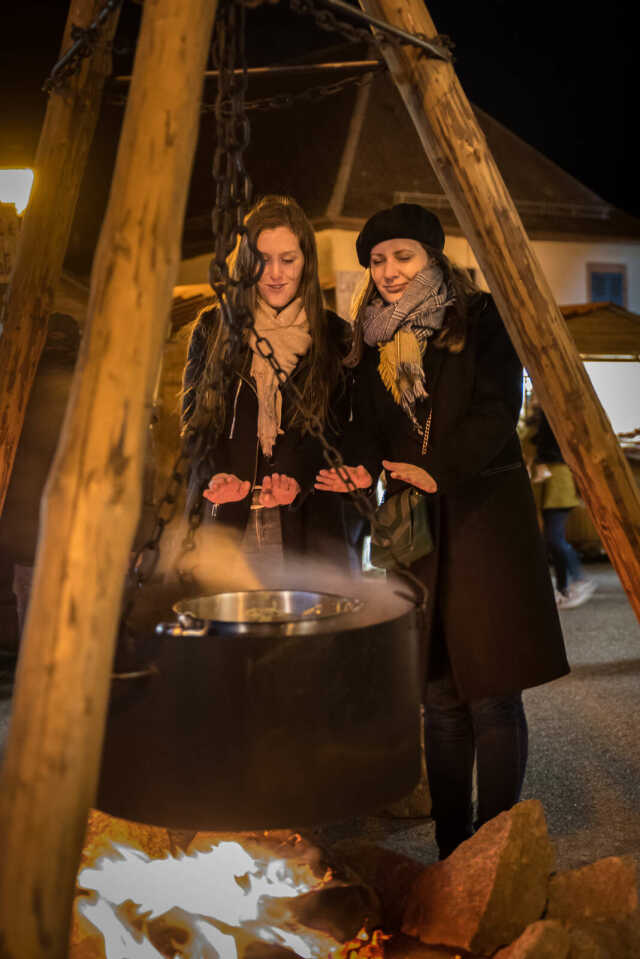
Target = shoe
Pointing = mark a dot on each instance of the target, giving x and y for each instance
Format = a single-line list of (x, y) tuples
[(578, 593)]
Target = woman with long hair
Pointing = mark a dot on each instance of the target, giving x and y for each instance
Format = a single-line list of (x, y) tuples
[(437, 393), (252, 457)]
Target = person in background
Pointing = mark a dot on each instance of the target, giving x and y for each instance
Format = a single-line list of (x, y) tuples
[(556, 494), (437, 395), (250, 454)]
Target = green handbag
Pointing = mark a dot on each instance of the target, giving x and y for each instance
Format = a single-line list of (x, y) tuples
[(401, 533)]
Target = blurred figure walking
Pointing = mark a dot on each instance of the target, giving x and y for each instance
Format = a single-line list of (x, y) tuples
[(556, 494)]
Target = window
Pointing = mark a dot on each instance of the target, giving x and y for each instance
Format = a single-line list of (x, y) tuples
[(607, 283)]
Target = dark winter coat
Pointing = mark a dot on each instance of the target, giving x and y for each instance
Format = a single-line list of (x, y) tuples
[(492, 610), (314, 523)]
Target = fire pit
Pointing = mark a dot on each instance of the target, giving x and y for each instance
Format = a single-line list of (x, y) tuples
[(268, 709)]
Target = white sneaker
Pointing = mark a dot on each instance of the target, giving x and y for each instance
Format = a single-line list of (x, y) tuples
[(578, 593)]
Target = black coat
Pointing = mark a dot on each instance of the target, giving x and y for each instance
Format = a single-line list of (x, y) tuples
[(314, 523), (491, 609)]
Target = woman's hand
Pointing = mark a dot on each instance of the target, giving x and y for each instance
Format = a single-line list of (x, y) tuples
[(331, 482), (226, 488), (412, 475), (278, 490)]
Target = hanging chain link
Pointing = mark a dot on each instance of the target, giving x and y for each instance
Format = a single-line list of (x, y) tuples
[(282, 101), (85, 41), (232, 117), (233, 198), (314, 94), (327, 20)]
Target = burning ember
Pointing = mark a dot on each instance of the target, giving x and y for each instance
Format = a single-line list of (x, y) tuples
[(248, 896)]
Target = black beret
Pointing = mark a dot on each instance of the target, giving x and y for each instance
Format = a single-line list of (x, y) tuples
[(402, 221)]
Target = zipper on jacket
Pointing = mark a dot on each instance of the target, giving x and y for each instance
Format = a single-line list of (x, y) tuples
[(255, 468), (235, 408)]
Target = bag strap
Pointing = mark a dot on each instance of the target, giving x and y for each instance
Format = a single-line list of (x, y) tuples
[(425, 435)]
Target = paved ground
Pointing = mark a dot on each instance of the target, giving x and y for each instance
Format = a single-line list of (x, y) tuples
[(584, 742)]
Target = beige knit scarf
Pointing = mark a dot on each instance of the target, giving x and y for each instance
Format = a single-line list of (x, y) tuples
[(288, 333)]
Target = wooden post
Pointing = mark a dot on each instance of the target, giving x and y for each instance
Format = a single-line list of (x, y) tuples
[(61, 158), (92, 499), (458, 152)]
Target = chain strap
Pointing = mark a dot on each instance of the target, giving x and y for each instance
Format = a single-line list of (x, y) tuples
[(85, 42), (425, 435)]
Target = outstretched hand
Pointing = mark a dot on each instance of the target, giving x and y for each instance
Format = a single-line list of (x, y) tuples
[(226, 488), (331, 482), (278, 490), (413, 475)]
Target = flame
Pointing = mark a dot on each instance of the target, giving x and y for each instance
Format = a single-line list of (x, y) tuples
[(363, 947), (212, 902)]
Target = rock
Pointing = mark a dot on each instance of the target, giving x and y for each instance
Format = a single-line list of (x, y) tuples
[(338, 911), (404, 947), (545, 939), (606, 939), (390, 873), (489, 889), (606, 889)]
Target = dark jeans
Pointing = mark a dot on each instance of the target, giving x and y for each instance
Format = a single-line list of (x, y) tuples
[(564, 559), (493, 732)]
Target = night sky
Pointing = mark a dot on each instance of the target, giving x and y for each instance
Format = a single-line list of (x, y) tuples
[(557, 75)]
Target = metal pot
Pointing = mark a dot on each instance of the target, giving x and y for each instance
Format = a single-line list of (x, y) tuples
[(309, 717)]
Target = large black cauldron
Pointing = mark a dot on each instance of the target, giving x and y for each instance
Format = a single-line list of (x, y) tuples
[(309, 717)]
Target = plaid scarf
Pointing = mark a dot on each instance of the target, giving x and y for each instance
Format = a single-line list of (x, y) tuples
[(401, 330)]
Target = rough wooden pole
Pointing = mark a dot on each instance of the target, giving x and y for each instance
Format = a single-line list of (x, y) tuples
[(92, 500), (61, 158), (458, 152)]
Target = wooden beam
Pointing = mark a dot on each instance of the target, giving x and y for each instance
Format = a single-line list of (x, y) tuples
[(61, 158), (459, 154), (92, 499)]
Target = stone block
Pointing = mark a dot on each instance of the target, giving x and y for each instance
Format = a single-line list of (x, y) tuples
[(605, 938), (390, 873), (606, 889), (545, 939), (489, 889)]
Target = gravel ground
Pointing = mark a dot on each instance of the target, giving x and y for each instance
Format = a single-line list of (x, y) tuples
[(584, 742)]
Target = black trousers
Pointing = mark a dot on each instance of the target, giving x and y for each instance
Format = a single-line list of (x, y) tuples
[(493, 733)]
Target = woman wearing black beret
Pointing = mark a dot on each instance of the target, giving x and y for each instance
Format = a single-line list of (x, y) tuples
[(437, 394)]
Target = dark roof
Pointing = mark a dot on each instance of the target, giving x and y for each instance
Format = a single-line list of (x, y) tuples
[(390, 166), (299, 151)]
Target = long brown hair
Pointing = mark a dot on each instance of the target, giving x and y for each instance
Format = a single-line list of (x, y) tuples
[(453, 334), (205, 400)]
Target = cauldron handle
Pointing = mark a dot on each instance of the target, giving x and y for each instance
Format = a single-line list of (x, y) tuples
[(187, 625)]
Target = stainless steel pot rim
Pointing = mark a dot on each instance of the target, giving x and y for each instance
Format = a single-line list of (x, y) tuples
[(261, 606)]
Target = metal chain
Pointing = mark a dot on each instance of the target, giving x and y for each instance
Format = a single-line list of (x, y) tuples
[(314, 94), (233, 185), (85, 42), (229, 118), (233, 197), (327, 20), (145, 559), (281, 101)]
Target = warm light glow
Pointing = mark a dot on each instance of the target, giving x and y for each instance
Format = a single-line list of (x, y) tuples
[(212, 901), (15, 187)]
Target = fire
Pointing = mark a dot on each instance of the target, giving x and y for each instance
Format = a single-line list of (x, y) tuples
[(364, 947), (219, 899)]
